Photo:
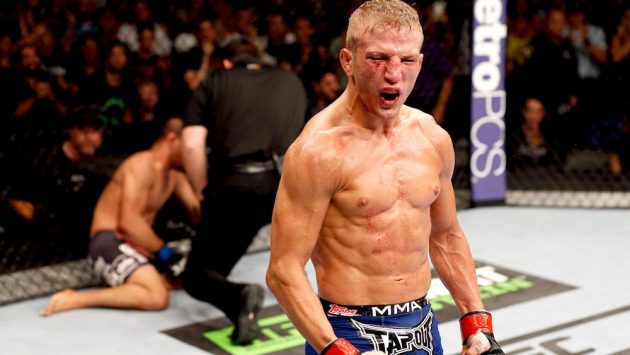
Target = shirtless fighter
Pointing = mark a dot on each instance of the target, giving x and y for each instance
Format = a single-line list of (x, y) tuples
[(366, 194), (123, 240)]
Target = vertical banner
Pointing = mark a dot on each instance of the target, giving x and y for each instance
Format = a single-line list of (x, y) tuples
[(487, 135)]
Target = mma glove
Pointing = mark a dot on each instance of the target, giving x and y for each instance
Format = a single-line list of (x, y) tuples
[(341, 346), (472, 322), (169, 261)]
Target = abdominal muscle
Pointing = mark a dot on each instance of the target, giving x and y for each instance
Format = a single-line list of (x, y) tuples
[(378, 260)]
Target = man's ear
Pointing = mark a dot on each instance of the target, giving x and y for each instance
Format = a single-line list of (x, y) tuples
[(345, 57), (227, 64), (171, 137)]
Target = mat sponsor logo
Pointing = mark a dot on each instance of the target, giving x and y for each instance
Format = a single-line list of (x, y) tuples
[(278, 333), (500, 287)]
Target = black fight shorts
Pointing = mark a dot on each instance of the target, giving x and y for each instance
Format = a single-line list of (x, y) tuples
[(113, 259)]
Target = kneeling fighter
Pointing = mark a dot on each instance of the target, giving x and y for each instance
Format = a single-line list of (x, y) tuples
[(124, 249), (366, 194)]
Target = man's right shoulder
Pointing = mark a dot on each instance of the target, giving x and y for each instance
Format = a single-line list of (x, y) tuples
[(137, 162), (318, 144)]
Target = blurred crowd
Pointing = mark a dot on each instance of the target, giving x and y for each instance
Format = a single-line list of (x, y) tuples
[(85, 83), (568, 69)]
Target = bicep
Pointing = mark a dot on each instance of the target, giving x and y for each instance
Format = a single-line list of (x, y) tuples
[(194, 137), (444, 209), (194, 113)]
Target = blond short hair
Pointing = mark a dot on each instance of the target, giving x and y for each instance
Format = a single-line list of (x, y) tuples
[(373, 14)]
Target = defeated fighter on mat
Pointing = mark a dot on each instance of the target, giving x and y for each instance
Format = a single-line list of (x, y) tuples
[(124, 249), (366, 194)]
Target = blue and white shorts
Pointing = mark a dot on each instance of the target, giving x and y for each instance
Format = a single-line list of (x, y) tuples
[(403, 328)]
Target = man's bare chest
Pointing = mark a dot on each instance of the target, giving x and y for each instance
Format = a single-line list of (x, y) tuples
[(385, 179)]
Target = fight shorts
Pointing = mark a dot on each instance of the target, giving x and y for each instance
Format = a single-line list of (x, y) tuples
[(113, 259), (404, 328)]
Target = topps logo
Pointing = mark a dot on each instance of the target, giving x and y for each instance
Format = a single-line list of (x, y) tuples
[(395, 341), (341, 311)]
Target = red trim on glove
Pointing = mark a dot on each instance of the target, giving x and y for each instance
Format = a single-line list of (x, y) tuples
[(471, 322), (340, 346)]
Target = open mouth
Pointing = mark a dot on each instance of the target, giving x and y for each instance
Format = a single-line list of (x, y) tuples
[(389, 97)]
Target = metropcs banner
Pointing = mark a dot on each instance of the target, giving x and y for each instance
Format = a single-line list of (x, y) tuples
[(487, 135)]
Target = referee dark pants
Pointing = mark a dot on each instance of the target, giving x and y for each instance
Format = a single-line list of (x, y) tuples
[(234, 208)]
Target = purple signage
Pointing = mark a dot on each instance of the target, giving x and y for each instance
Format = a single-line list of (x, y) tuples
[(487, 135)]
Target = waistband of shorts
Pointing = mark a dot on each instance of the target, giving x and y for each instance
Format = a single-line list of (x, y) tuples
[(333, 309), (101, 232)]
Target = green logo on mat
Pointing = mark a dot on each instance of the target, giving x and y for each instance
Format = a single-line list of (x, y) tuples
[(278, 333)]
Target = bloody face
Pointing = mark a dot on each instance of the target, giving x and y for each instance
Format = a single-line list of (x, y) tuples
[(384, 68)]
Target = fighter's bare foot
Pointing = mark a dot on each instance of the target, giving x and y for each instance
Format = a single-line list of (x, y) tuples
[(61, 301)]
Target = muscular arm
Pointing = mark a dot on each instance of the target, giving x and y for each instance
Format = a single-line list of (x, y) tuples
[(449, 249), (301, 204), (185, 193), (136, 184), (194, 157)]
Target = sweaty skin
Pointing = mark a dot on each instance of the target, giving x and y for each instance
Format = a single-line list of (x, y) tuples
[(366, 194), (373, 244)]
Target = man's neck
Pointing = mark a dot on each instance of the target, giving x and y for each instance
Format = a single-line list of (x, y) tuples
[(357, 113), (161, 155)]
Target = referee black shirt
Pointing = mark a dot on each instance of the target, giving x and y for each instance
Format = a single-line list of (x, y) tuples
[(249, 108)]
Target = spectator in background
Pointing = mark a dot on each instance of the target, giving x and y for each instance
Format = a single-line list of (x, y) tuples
[(84, 75), (108, 26), (53, 186), (117, 98), (246, 114), (617, 103), (551, 72), (85, 24), (195, 60), (144, 61), (519, 36), (280, 41), (38, 116), (591, 49), (122, 239), (589, 42), (7, 50), (129, 32), (304, 31), (246, 25), (53, 59), (149, 117), (433, 88), (620, 43), (529, 142), (11, 84), (324, 89)]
